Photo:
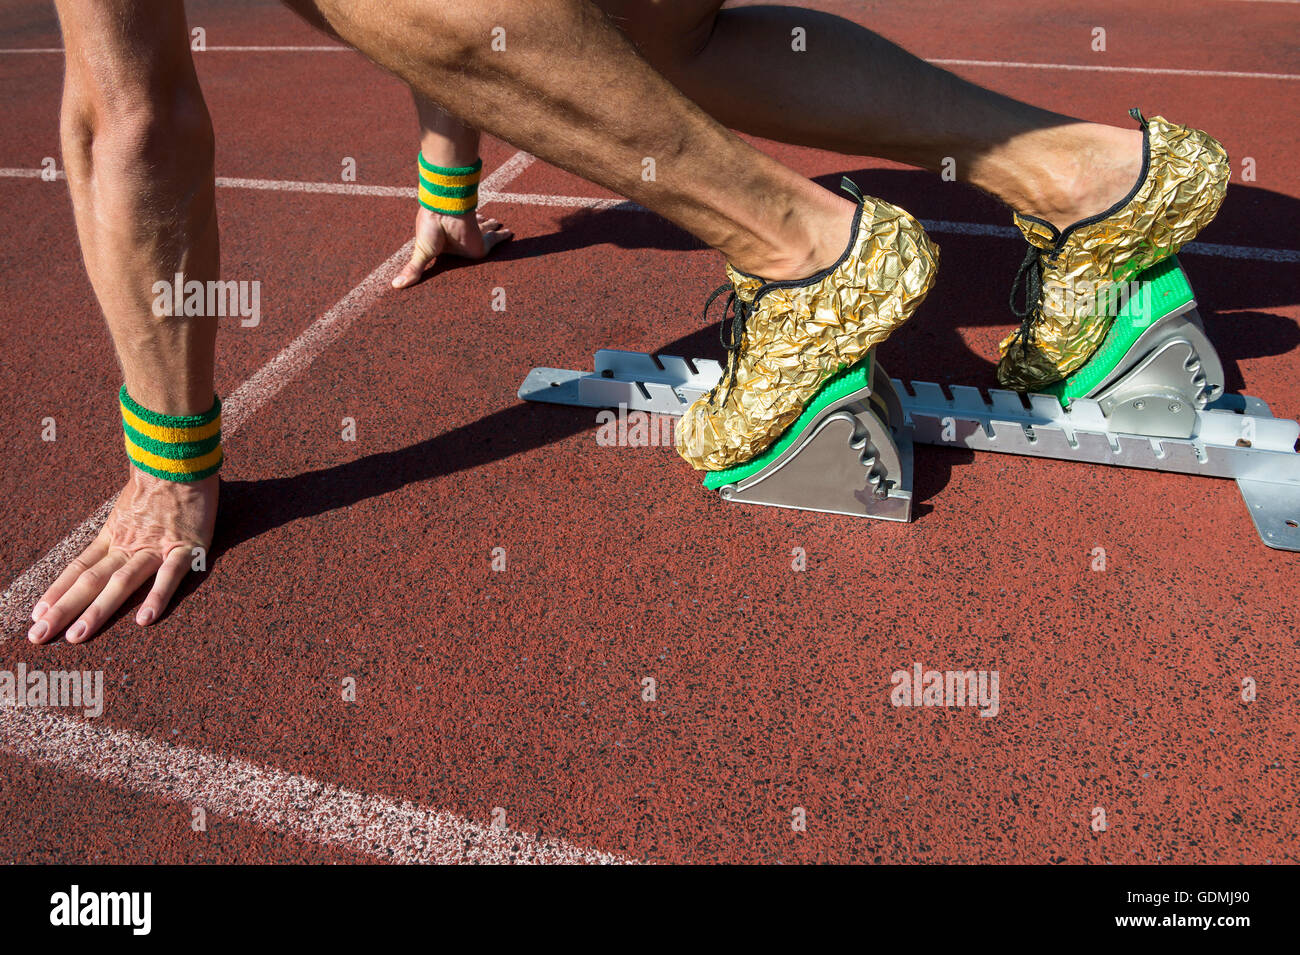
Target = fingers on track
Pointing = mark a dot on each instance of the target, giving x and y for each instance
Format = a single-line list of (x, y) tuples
[(170, 575), (77, 586)]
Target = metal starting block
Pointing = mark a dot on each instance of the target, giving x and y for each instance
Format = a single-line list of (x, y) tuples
[(1162, 407), (854, 457)]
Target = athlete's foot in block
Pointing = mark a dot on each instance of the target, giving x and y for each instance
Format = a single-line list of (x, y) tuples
[(471, 236), (1117, 228), (1100, 169), (786, 338)]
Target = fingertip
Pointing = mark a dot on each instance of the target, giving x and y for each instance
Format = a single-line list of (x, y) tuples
[(39, 610), (146, 616), (77, 632)]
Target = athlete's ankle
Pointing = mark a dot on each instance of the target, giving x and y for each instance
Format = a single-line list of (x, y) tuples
[(1092, 171), (814, 241)]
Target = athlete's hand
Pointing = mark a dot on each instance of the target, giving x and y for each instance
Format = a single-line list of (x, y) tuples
[(154, 527), (471, 236)]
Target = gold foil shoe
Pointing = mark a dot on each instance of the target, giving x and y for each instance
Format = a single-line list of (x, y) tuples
[(1073, 278), (788, 337)]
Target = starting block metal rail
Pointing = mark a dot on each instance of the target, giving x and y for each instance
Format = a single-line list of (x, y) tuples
[(1162, 408)]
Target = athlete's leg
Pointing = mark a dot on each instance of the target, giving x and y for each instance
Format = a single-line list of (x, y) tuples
[(561, 81), (847, 89), (1097, 201), (556, 78)]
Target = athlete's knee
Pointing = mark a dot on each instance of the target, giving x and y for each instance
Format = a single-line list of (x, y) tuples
[(130, 79), (668, 33), (157, 121), (448, 33)]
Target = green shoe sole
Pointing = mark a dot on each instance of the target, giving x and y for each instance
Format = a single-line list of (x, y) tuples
[(844, 382), (1163, 289)]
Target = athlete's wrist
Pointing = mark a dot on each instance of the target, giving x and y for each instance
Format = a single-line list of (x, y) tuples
[(180, 448), (448, 190)]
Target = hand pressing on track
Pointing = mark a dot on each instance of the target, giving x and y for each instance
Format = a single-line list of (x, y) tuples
[(153, 529), (471, 236)]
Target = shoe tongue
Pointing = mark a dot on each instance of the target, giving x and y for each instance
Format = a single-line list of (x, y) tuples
[(746, 286), (1038, 234)]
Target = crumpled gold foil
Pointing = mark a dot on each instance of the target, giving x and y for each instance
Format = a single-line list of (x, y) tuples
[(798, 337), (1187, 177)]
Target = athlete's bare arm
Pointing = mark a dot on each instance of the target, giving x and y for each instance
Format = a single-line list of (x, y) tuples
[(570, 89), (137, 146)]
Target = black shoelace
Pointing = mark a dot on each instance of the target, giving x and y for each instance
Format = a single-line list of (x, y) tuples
[(1030, 277), (739, 311)]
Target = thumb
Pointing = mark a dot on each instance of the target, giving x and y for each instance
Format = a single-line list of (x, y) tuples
[(423, 253)]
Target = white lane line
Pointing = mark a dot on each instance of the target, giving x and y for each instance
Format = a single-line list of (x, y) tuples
[(995, 64), (507, 172), (334, 188), (312, 809), (297, 356), (573, 202), (487, 188), (488, 194), (1098, 68), (30, 174), (16, 602)]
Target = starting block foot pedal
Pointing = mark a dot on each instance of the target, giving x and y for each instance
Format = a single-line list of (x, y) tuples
[(1151, 397), (848, 453)]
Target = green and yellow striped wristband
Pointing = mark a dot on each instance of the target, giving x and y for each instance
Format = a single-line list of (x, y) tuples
[(449, 190), (173, 447)]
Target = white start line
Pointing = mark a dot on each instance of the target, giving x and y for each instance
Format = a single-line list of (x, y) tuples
[(317, 811)]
